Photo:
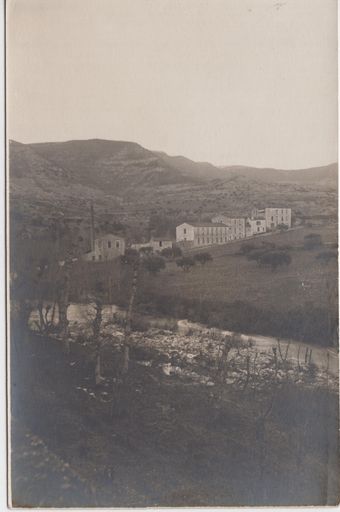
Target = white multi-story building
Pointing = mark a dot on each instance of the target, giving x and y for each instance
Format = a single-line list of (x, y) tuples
[(276, 216), (237, 225), (255, 227), (201, 234)]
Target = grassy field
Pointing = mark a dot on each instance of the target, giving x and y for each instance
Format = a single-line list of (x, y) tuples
[(298, 301), (231, 277)]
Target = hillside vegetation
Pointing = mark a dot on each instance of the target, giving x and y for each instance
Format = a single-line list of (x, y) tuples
[(297, 300), (128, 183)]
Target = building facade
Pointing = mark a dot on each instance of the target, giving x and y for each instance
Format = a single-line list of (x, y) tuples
[(106, 248), (201, 234), (237, 225), (255, 227), (156, 244), (256, 213), (276, 216), (159, 243)]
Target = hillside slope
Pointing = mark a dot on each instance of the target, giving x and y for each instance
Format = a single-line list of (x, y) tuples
[(116, 165), (326, 175), (316, 176), (128, 183)]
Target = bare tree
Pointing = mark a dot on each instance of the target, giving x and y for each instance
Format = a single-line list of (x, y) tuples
[(97, 322), (133, 259), (32, 280), (63, 301)]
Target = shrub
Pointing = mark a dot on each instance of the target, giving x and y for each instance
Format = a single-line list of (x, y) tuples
[(185, 263), (203, 257), (286, 247), (176, 251), (171, 252), (167, 252), (312, 241), (256, 255), (146, 250), (326, 256), (130, 257), (275, 259), (154, 264), (246, 248), (139, 323)]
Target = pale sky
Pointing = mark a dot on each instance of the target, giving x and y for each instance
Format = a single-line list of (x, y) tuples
[(250, 82)]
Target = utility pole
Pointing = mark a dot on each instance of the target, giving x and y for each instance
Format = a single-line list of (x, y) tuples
[(92, 227)]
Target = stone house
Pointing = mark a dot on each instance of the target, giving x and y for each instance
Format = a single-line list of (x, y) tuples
[(106, 248), (160, 243)]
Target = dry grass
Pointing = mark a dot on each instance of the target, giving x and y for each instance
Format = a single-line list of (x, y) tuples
[(231, 277)]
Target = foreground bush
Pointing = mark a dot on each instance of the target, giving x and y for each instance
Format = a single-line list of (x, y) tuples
[(185, 263)]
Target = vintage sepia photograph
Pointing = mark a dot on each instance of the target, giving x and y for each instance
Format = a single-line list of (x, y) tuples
[(172, 253)]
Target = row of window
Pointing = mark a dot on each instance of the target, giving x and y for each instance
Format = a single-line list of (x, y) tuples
[(109, 244), (228, 221), (212, 230), (278, 220), (208, 240)]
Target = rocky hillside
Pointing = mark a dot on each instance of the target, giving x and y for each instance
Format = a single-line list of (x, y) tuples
[(128, 183)]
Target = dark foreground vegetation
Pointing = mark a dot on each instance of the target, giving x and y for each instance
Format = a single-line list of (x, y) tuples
[(165, 441), (103, 416)]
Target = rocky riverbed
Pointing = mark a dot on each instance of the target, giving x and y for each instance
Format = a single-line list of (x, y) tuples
[(208, 356)]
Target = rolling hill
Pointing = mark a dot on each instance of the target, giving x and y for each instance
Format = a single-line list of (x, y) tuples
[(321, 176), (326, 175), (130, 183)]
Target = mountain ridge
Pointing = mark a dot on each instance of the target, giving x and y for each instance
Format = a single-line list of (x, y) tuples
[(188, 167), (125, 177)]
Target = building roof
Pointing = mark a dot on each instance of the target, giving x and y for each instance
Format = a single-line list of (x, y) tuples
[(277, 208), (227, 217), (162, 239), (109, 235), (206, 224)]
